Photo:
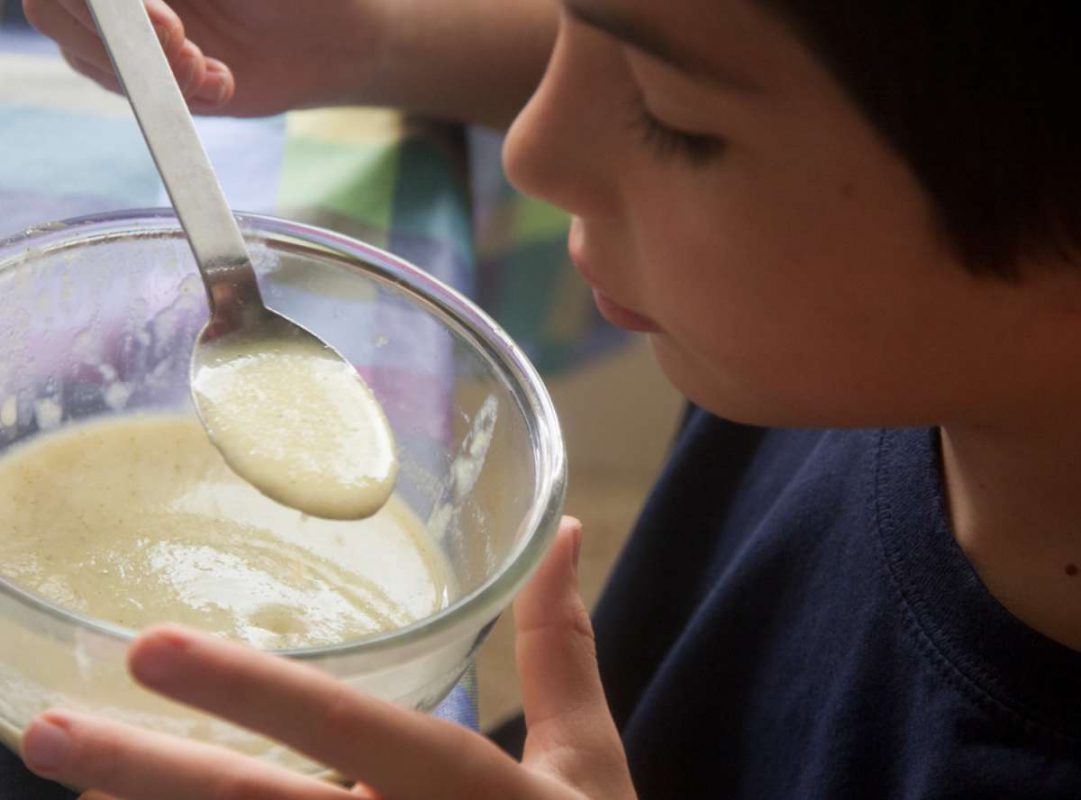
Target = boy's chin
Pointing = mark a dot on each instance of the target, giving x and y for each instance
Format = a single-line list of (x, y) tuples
[(775, 400), (708, 387)]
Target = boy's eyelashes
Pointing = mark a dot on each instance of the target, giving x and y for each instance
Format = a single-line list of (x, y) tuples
[(667, 142)]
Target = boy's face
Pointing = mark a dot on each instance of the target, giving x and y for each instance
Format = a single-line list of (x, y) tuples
[(785, 262)]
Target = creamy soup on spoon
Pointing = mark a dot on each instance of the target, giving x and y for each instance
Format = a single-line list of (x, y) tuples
[(298, 423)]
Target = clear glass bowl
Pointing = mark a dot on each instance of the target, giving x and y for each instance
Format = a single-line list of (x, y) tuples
[(97, 318)]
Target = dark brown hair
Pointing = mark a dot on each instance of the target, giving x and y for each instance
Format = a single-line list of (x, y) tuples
[(982, 98)]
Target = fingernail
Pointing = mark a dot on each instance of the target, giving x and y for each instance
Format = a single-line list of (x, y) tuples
[(212, 91), (576, 549), (156, 659), (46, 746)]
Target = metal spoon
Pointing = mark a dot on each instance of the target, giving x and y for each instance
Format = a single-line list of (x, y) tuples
[(237, 311)]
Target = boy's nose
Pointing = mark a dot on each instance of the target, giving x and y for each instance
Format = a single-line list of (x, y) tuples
[(555, 150)]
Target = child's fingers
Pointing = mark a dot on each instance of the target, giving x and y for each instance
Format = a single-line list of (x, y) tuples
[(167, 24), (55, 21), (106, 78), (189, 67), (555, 647), (217, 88), (207, 82), (358, 792), (570, 727), (81, 12), (135, 764), (358, 736), (191, 71)]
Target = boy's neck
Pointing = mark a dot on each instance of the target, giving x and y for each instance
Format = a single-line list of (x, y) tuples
[(1014, 499)]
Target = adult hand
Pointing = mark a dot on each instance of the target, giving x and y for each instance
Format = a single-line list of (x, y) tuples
[(572, 749), (240, 57)]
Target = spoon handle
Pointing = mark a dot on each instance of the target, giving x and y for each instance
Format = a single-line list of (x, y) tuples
[(182, 162)]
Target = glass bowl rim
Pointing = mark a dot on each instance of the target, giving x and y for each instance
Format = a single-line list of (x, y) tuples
[(473, 610)]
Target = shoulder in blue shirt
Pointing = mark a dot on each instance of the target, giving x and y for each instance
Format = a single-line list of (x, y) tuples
[(793, 619)]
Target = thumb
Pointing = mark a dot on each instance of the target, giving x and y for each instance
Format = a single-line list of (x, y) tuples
[(570, 730)]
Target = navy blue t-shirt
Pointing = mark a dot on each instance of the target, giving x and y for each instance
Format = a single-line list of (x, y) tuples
[(792, 618)]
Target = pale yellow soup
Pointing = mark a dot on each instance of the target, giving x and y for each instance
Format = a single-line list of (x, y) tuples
[(136, 520)]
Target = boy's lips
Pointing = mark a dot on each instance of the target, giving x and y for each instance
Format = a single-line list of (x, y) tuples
[(618, 315), (621, 316)]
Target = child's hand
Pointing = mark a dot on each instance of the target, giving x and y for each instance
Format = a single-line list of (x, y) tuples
[(269, 55), (572, 751)]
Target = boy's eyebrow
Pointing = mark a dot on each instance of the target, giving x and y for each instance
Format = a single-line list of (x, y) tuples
[(644, 38)]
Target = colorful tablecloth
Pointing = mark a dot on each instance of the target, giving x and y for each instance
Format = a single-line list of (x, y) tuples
[(431, 193)]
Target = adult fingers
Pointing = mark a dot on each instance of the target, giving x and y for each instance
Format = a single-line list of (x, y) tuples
[(570, 729), (122, 761), (360, 737)]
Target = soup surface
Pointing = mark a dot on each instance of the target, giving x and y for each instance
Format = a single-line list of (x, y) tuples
[(138, 519)]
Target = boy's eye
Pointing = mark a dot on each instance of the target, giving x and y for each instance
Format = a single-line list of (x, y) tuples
[(666, 141)]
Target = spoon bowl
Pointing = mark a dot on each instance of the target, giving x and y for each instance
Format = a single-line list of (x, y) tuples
[(293, 417)]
